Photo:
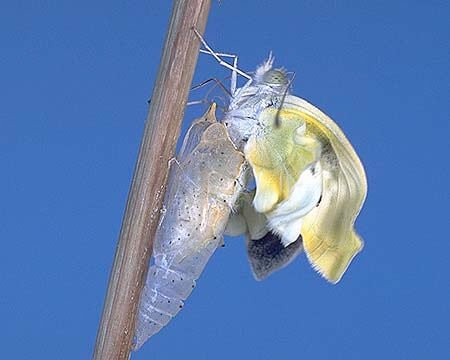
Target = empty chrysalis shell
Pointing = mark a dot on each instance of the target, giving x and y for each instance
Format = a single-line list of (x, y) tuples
[(204, 182)]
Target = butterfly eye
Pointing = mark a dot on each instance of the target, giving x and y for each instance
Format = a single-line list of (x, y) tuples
[(275, 77)]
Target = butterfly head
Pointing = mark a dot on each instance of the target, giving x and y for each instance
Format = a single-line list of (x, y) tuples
[(275, 77), (265, 75)]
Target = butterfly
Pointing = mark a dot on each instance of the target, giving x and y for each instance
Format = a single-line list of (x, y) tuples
[(310, 187)]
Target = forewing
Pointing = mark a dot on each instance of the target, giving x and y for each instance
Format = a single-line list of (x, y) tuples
[(328, 234), (277, 159), (284, 158)]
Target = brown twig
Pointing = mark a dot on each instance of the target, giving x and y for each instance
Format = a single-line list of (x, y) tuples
[(141, 216)]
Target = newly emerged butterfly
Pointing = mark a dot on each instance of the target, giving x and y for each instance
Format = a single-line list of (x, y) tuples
[(310, 185)]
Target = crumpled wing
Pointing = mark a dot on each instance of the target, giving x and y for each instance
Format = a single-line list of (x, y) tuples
[(268, 254), (284, 159), (203, 186), (287, 218), (329, 238), (265, 249)]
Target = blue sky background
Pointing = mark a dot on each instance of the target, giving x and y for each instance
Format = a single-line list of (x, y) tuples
[(75, 77)]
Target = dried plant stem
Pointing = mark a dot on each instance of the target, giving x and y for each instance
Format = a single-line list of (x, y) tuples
[(141, 216)]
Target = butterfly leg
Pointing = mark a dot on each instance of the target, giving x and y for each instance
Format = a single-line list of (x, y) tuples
[(206, 98), (235, 70), (217, 83)]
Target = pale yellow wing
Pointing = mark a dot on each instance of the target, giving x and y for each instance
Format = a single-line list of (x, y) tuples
[(284, 158), (329, 238), (277, 158)]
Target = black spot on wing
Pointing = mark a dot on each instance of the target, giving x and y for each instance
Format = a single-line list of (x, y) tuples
[(319, 201), (268, 254)]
